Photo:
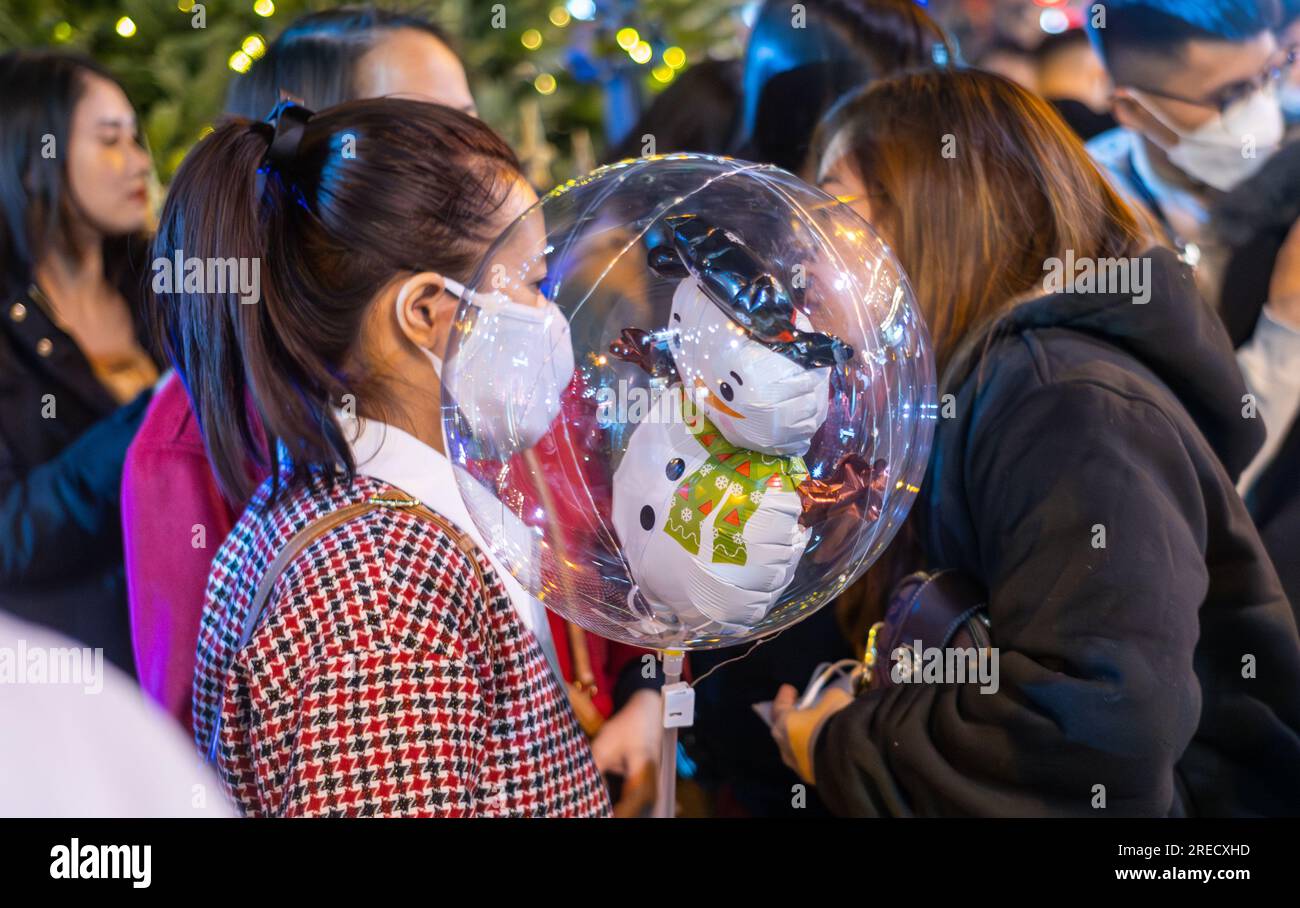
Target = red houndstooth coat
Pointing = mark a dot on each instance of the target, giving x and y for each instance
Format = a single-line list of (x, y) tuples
[(381, 680)]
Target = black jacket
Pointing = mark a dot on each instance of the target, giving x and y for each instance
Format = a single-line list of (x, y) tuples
[(1119, 666), (1255, 219), (60, 479)]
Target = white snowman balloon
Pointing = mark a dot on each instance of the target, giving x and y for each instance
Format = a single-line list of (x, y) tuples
[(710, 496)]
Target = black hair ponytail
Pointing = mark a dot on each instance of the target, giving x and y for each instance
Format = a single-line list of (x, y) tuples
[(363, 192)]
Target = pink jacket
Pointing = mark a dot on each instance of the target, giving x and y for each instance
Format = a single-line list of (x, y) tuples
[(173, 521)]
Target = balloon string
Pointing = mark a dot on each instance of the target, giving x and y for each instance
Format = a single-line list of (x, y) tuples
[(745, 655)]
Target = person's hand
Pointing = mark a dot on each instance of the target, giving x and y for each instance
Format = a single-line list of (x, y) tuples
[(795, 730), (628, 745), (1284, 286)]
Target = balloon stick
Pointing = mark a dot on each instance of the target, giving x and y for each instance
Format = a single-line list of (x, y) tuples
[(679, 712)]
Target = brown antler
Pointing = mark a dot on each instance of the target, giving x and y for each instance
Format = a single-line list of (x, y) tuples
[(637, 346)]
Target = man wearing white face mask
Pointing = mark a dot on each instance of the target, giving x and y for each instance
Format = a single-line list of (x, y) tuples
[(1201, 90), (1196, 94)]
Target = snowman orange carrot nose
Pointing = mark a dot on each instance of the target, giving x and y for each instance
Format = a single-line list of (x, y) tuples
[(716, 401)]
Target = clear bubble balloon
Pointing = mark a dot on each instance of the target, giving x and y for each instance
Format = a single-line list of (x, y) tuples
[(689, 400)]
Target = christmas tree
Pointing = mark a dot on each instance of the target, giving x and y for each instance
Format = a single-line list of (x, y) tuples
[(541, 70)]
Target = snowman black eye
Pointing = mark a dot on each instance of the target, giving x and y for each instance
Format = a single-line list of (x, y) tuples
[(727, 394)]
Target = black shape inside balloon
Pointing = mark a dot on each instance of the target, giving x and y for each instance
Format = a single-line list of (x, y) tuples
[(738, 282)]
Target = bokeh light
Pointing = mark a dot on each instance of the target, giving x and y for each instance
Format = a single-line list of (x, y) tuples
[(582, 9), (1054, 21), (254, 46), (627, 38)]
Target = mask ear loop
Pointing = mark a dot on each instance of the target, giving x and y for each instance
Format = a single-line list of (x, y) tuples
[(1153, 112), (455, 288)]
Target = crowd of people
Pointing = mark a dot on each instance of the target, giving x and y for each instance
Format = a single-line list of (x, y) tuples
[(167, 458)]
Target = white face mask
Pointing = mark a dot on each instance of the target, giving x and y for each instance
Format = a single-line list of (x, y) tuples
[(1216, 152), (522, 360)]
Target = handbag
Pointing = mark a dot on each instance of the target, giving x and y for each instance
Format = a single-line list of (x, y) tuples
[(939, 610)]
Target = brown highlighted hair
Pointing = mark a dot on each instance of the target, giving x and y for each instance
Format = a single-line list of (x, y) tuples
[(976, 182), (376, 188)]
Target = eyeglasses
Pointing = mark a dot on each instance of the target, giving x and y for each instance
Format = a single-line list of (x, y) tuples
[(1232, 94)]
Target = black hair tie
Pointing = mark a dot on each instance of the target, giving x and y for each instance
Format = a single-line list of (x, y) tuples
[(290, 122)]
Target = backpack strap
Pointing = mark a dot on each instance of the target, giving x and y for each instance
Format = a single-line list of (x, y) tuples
[(314, 531)]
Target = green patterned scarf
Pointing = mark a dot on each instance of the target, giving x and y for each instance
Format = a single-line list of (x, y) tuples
[(732, 483)]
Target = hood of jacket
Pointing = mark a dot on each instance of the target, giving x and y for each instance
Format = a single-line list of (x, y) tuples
[(1175, 334)]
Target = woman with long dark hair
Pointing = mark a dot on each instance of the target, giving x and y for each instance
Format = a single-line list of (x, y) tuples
[(359, 653), (1148, 661), (74, 202)]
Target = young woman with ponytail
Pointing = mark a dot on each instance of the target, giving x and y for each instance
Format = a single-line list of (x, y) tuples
[(359, 653), (174, 515), (320, 59)]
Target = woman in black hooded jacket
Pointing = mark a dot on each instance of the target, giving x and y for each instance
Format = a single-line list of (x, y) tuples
[(1148, 661)]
